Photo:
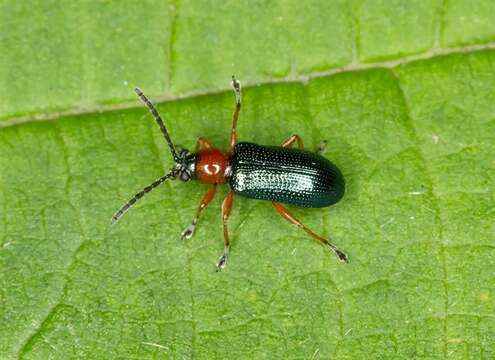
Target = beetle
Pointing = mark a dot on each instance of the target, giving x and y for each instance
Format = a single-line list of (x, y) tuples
[(280, 174)]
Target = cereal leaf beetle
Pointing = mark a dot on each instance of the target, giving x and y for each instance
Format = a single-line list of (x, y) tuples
[(280, 174)]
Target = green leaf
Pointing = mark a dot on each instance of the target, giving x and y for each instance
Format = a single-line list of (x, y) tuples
[(412, 131)]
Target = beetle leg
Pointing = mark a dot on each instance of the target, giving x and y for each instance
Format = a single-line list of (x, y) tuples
[(289, 217), (291, 140), (321, 147), (203, 144), (189, 231), (233, 133), (226, 207)]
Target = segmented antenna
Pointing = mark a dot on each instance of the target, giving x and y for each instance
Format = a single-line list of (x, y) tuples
[(159, 121), (138, 196)]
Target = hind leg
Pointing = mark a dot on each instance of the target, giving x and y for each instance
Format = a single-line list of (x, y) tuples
[(289, 142), (290, 218), (321, 147)]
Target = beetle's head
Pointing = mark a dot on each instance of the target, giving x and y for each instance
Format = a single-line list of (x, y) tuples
[(185, 165)]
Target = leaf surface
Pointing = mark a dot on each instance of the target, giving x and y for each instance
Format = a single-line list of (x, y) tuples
[(414, 141)]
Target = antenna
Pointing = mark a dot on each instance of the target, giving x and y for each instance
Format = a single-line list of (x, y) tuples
[(138, 196), (159, 121)]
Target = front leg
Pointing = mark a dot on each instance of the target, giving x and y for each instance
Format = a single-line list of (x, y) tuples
[(203, 144), (189, 231), (226, 207)]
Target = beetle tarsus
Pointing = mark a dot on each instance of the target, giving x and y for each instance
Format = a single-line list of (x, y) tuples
[(222, 261), (342, 256), (321, 147), (237, 89), (188, 232)]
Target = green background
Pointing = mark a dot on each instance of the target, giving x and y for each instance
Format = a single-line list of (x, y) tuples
[(404, 93)]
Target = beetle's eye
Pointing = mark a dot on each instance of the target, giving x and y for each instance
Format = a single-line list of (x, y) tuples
[(183, 153)]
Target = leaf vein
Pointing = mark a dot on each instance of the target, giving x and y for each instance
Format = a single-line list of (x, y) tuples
[(26, 342), (304, 78)]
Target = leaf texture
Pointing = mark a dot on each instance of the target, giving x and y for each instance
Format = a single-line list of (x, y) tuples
[(412, 131)]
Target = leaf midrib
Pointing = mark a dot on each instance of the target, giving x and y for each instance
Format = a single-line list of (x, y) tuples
[(303, 78)]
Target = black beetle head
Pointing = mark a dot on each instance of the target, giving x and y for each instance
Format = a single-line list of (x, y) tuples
[(185, 166)]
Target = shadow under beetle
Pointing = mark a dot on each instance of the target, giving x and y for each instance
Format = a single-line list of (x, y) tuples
[(280, 174)]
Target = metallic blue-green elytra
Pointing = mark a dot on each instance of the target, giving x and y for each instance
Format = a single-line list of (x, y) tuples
[(286, 175)]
